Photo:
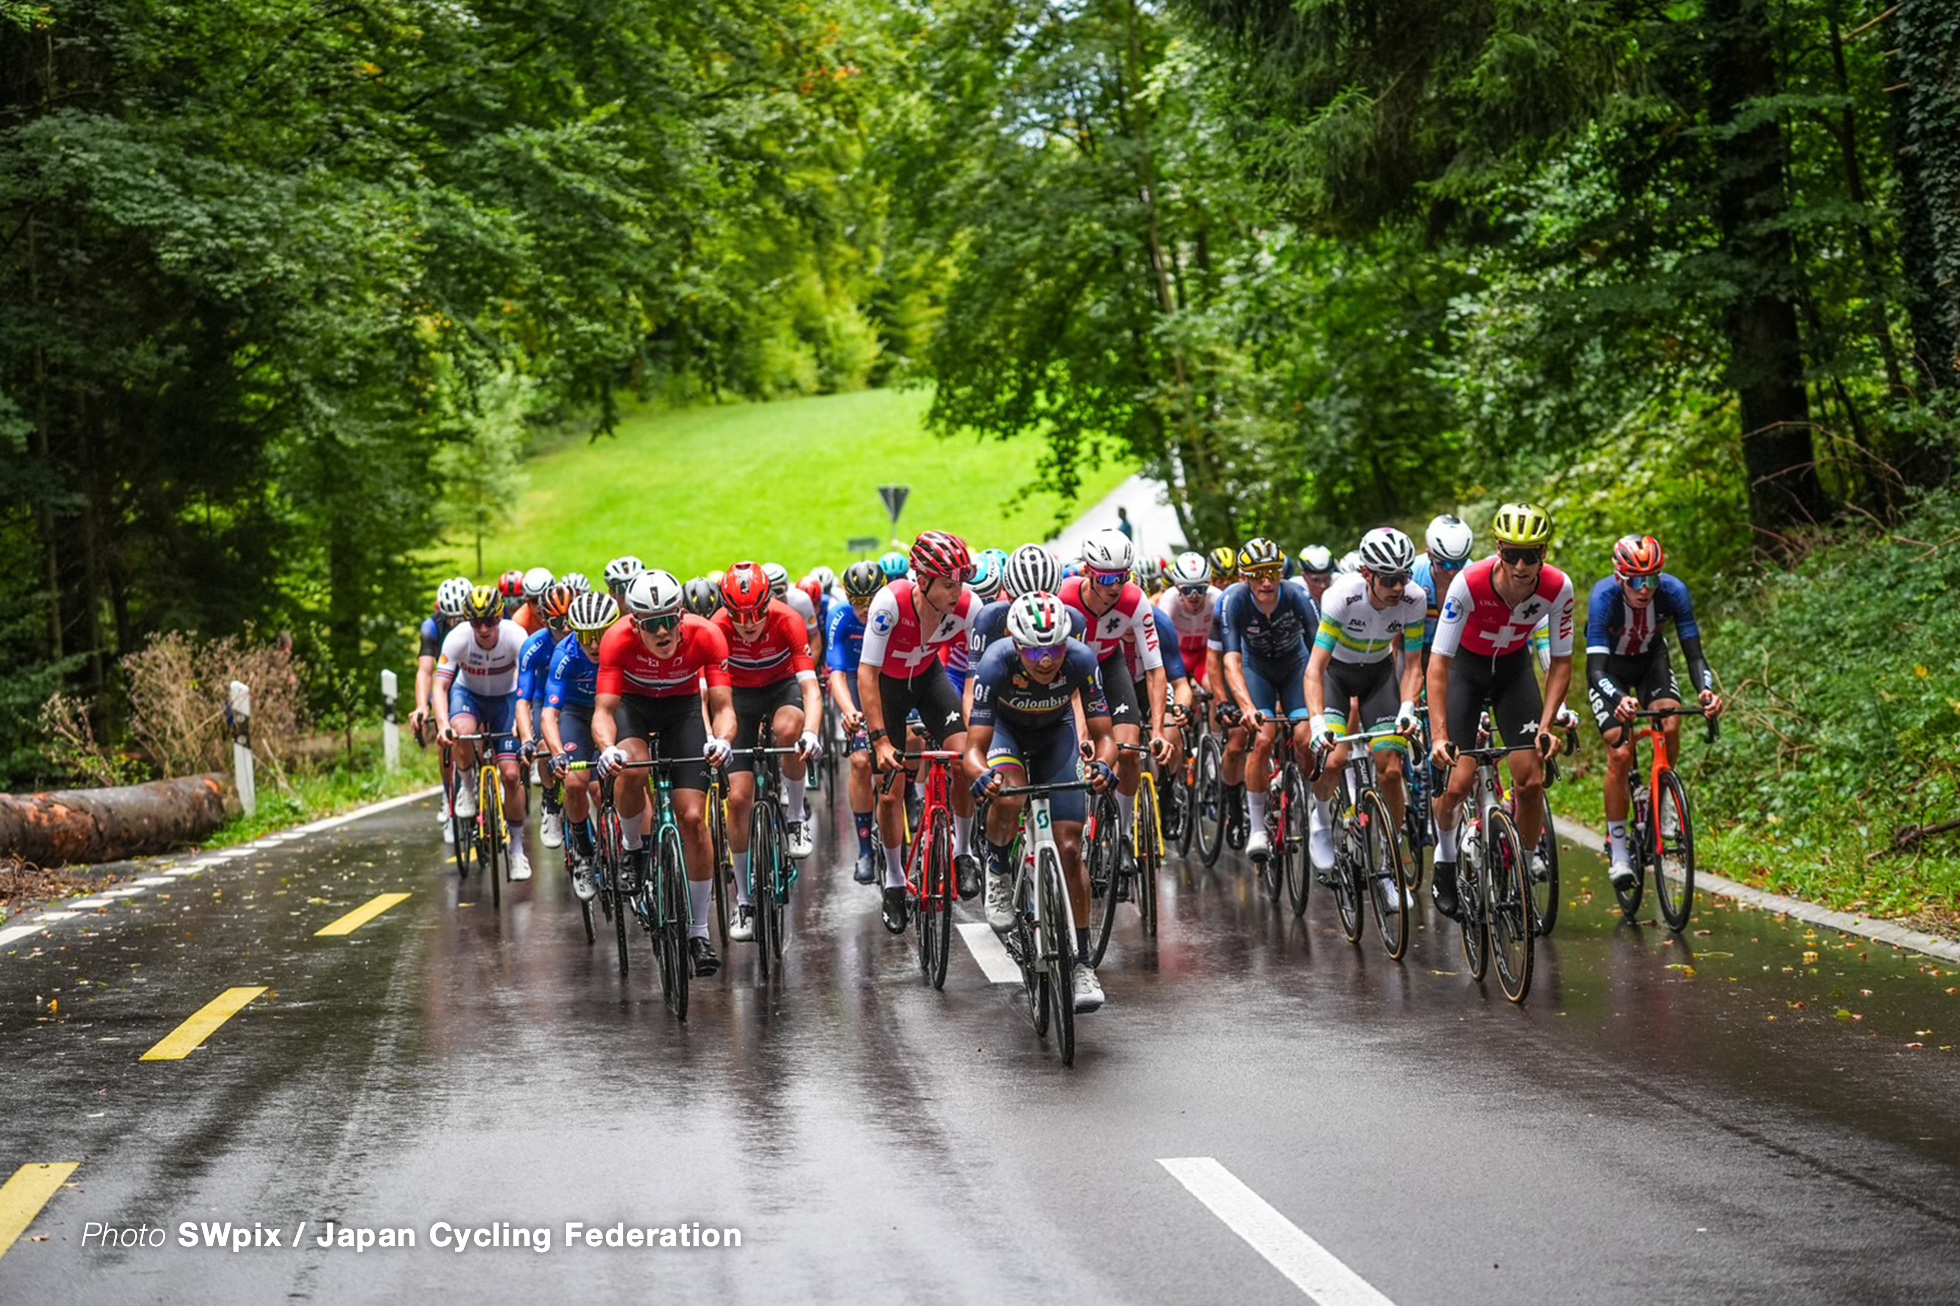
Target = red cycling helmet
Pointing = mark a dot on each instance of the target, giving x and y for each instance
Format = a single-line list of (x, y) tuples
[(745, 591), (941, 554), (813, 592), (1638, 555), (511, 585)]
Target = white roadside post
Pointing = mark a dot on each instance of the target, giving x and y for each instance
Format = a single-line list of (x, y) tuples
[(238, 709), (391, 734)]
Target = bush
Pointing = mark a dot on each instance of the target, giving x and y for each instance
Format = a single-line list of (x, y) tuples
[(178, 685)]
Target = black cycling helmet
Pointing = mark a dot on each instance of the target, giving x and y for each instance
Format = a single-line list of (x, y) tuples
[(702, 597), (863, 579)]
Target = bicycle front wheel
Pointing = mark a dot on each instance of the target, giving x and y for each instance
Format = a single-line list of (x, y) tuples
[(1506, 885), (934, 919), (1382, 866), (1208, 816), (496, 862), (1058, 952), (1544, 892), (1470, 872), (764, 848), (612, 863), (1350, 861), (1674, 865), (724, 860), (671, 920), (1299, 865), (1103, 849), (1150, 853)]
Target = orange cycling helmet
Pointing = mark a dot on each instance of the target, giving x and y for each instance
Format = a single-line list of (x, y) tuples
[(1638, 555), (555, 603), (745, 591)]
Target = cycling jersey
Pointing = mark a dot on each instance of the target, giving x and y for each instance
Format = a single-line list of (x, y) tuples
[(893, 643), (1167, 643), (492, 671), (1127, 621), (844, 641), (1193, 628), (780, 651), (1277, 638), (1477, 621), (1003, 689), (528, 616), (627, 667), (1354, 630), (1424, 574), (433, 629), (990, 624), (534, 665), (1621, 639), (573, 679)]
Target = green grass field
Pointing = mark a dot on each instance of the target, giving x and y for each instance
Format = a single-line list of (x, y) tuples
[(695, 489)]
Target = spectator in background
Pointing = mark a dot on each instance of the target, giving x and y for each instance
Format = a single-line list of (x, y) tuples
[(1123, 524)]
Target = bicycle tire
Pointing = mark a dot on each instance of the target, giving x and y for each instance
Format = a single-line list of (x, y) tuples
[(935, 909), (1104, 850), (1350, 865), (1639, 851), (461, 829), (1544, 893), (1470, 903), (1149, 854), (1676, 905), (1298, 863), (761, 871), (612, 851), (1058, 947), (1186, 786), (724, 861), (1210, 817), (776, 887), (1418, 833), (497, 865), (671, 920), (1382, 857), (1507, 892)]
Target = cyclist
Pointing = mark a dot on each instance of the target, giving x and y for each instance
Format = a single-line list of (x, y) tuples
[(1266, 626), (1118, 616), (1030, 569), (1627, 668), (620, 573), (894, 565), (1316, 572), (528, 614), (451, 596), (576, 582), (511, 586), (701, 597), (652, 669), (1023, 732), (476, 689), (844, 647), (1370, 624), (1189, 605), (910, 621), (568, 695), (1449, 542), (1483, 658), (554, 606), (774, 682)]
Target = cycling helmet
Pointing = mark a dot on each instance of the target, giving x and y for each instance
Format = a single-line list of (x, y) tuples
[(482, 604), (1260, 552), (1108, 550), (621, 571), (1450, 540), (1031, 569), (1150, 570), (576, 582), (1316, 560), (654, 593), (894, 565), (1638, 555), (745, 591), (813, 592), (986, 578), (777, 576), (1349, 564), (826, 578), (511, 585), (593, 611), (941, 554), (1037, 621), (1224, 563), (714, 578), (1387, 552), (452, 596), (1189, 569), (999, 556), (701, 597), (536, 581), (863, 579), (555, 601), (1522, 525)]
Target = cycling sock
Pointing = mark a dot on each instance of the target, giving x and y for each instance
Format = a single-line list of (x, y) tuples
[(1255, 806), (517, 834), (894, 869), (962, 834), (998, 853), (741, 879), (1126, 805), (580, 836), (1616, 836), (792, 802), (701, 897), (1082, 946), (629, 834), (1445, 844), (863, 820), (551, 803)]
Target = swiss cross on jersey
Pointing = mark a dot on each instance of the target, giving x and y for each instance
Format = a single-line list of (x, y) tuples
[(1479, 621), (893, 640), (1127, 621)]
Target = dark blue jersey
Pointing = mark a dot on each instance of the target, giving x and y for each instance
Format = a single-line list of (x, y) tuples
[(1003, 689), (1618, 629), (1273, 639), (990, 624)]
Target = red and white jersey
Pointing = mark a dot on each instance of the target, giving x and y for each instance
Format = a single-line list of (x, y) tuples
[(1477, 621), (893, 641), (1193, 628), (780, 651), (626, 666), (800, 604), (491, 671), (1128, 621)]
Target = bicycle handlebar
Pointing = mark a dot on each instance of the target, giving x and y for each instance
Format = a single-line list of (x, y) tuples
[(1016, 791), (1662, 713)]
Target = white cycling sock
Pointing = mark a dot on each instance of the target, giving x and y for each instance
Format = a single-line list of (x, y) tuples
[(741, 879), (1126, 805), (517, 834), (1445, 844), (962, 835), (894, 869), (1616, 837), (1255, 807), (629, 834), (793, 802), (701, 897)]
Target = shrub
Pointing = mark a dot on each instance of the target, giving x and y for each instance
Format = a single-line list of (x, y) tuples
[(178, 685)]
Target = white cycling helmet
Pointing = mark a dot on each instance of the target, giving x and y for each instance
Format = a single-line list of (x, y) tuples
[(1450, 540), (1107, 551), (655, 593), (1349, 564), (1316, 560), (1189, 569), (986, 578), (1387, 551), (1032, 569), (778, 578), (452, 596), (537, 581), (621, 571), (826, 578), (1037, 621)]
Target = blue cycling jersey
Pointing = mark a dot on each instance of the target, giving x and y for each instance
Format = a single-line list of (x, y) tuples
[(843, 640), (1003, 688), (574, 679), (534, 665), (1618, 629), (990, 624), (1276, 639), (1174, 669)]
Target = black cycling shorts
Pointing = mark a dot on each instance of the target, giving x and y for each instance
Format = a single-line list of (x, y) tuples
[(755, 705), (1371, 682), (676, 724), (1047, 755), (938, 704), (1507, 685), (1120, 689), (1649, 678)]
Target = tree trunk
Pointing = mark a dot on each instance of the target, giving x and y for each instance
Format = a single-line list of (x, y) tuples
[(1765, 345), (1926, 124), (107, 825)]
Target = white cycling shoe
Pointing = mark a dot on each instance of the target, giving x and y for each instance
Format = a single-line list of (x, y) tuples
[(1000, 902), (466, 803), (520, 865), (802, 839), (1088, 989), (551, 832), (1623, 874), (1256, 843)]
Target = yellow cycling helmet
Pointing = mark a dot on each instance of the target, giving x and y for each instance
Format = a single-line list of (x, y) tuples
[(1224, 564), (1522, 525), (483, 603)]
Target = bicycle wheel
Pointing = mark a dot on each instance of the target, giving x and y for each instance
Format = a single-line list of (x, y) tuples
[(1418, 832), (1639, 852), (763, 851), (612, 864), (496, 861), (1058, 952), (1103, 850), (935, 914), (1508, 892), (1209, 818), (1677, 853), (463, 829), (1544, 893), (1299, 865), (584, 904), (1186, 785), (1470, 902), (1034, 980), (1383, 868), (671, 921), (724, 860), (1350, 878), (774, 902), (1150, 855)]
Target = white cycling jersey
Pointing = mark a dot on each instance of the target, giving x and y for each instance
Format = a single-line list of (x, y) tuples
[(1354, 630), (488, 671)]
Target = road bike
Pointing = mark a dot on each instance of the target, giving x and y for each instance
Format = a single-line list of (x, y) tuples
[(724, 853), (1544, 884), (485, 836), (1286, 863), (1042, 940), (1419, 818), (1212, 803), (929, 869), (1113, 878), (1366, 852), (1660, 825), (771, 869), (1492, 895)]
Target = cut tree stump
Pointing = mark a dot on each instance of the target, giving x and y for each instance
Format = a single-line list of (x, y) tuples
[(107, 825)]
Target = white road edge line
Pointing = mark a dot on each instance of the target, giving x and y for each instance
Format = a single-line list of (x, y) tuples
[(1312, 1268), (151, 881), (15, 933), (990, 952)]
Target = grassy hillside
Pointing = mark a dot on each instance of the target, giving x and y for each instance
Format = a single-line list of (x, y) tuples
[(788, 482)]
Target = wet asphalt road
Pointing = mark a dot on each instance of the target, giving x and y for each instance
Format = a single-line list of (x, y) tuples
[(1709, 1118)]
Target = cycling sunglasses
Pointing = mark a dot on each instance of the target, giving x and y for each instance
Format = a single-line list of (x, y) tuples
[(1261, 573), (1043, 656), (487, 623), (1193, 591), (1108, 577), (1391, 579), (1642, 582), (1521, 557), (658, 625)]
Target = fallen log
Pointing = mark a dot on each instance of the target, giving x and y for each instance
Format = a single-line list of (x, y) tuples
[(107, 825)]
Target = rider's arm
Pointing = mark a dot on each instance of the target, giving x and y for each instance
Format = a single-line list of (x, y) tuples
[(1675, 591), (1558, 681), (552, 739), (1317, 677), (1235, 681), (604, 732), (1412, 667), (840, 696), (1103, 739), (720, 700), (978, 740)]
